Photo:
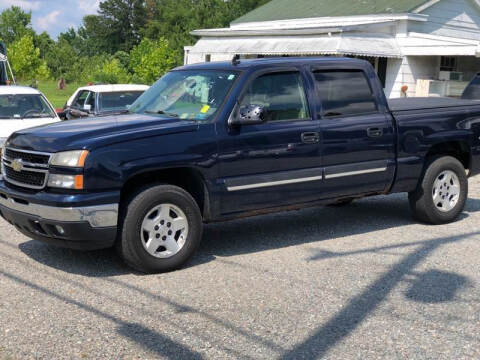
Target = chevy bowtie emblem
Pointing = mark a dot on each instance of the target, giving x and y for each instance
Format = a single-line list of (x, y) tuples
[(17, 165)]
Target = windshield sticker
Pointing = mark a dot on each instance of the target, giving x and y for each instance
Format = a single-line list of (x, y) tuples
[(204, 109), (231, 77)]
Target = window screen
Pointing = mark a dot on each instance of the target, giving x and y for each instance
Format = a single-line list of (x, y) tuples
[(344, 93), (281, 95)]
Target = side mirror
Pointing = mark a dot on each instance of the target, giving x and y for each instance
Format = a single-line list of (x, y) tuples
[(87, 107), (249, 115)]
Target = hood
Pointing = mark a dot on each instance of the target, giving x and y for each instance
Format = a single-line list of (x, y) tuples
[(89, 133), (9, 126)]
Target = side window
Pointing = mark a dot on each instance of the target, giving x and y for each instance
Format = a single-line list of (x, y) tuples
[(344, 93), (281, 94), (80, 99), (91, 100)]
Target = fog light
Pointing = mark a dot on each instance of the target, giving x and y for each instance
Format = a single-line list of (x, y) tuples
[(66, 181), (60, 229)]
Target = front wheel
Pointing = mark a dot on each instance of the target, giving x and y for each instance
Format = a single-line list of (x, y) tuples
[(161, 229), (441, 195)]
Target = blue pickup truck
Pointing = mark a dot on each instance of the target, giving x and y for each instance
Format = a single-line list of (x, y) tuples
[(217, 141)]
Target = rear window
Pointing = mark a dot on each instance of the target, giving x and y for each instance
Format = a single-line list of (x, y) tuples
[(117, 101), (472, 92), (344, 93)]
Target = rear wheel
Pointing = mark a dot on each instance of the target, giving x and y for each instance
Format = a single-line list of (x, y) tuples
[(441, 195), (161, 229)]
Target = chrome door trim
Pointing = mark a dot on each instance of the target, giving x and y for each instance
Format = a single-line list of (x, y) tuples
[(357, 172)]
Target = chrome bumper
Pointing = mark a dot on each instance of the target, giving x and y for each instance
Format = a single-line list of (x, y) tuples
[(97, 216)]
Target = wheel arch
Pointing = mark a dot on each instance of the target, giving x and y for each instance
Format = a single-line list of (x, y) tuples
[(187, 178), (458, 149)]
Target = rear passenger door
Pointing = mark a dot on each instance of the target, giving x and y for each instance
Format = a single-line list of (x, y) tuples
[(358, 152)]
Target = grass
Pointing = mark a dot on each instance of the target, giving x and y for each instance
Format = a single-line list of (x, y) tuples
[(57, 97)]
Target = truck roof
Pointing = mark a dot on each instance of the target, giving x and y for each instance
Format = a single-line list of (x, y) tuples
[(275, 61), (114, 88), (17, 90)]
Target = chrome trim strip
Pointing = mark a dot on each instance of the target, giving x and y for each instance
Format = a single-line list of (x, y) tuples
[(97, 216), (44, 171), (42, 166), (274, 183), (29, 151), (357, 172)]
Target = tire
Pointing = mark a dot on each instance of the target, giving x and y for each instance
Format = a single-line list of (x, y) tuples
[(340, 203), (144, 224), (433, 202)]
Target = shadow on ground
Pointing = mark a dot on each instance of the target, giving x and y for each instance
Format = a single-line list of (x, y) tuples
[(252, 235), (277, 231)]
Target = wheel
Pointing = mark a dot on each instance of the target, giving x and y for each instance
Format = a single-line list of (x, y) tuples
[(441, 194), (342, 202), (161, 228)]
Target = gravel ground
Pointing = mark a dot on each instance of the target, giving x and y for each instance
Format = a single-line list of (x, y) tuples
[(360, 282)]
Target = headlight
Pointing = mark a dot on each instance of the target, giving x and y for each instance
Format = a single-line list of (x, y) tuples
[(65, 181), (75, 158)]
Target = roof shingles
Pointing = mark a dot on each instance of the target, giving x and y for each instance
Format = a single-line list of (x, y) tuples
[(301, 9)]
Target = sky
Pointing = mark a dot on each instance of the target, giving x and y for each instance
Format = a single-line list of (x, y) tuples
[(54, 16)]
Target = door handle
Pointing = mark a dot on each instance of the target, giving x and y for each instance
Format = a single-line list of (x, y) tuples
[(374, 132), (310, 137)]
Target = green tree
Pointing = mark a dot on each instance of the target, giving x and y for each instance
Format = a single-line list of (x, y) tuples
[(116, 27), (150, 59), (61, 60), (26, 61), (14, 24), (112, 72), (176, 19), (45, 43)]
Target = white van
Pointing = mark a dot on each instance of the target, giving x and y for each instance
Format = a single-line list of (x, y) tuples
[(23, 107)]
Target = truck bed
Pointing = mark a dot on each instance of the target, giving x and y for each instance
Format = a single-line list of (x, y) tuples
[(406, 104)]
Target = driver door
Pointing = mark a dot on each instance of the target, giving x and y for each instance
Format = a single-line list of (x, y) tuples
[(277, 162)]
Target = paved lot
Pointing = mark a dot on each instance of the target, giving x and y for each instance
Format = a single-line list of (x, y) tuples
[(362, 282)]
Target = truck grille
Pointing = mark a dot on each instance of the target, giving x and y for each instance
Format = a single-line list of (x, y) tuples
[(33, 158), (25, 168)]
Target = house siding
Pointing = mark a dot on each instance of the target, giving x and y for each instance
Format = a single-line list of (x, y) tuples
[(407, 71), (454, 18)]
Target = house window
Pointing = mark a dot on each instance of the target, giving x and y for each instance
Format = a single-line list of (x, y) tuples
[(208, 58), (448, 63)]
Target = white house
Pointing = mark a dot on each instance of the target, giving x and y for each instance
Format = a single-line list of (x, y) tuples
[(433, 47)]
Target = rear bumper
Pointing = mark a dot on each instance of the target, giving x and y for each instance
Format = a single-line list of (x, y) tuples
[(77, 227)]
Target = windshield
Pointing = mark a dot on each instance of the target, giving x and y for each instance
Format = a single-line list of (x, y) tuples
[(472, 92), (117, 101), (24, 106), (189, 94)]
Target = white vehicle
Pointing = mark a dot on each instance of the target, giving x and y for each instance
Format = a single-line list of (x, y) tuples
[(23, 107), (99, 100)]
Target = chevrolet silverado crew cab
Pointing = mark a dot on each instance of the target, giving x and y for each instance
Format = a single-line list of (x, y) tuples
[(217, 141)]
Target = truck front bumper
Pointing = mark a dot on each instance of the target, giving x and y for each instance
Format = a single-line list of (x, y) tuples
[(76, 227)]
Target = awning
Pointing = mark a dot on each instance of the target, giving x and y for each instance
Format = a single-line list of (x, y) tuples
[(338, 44)]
